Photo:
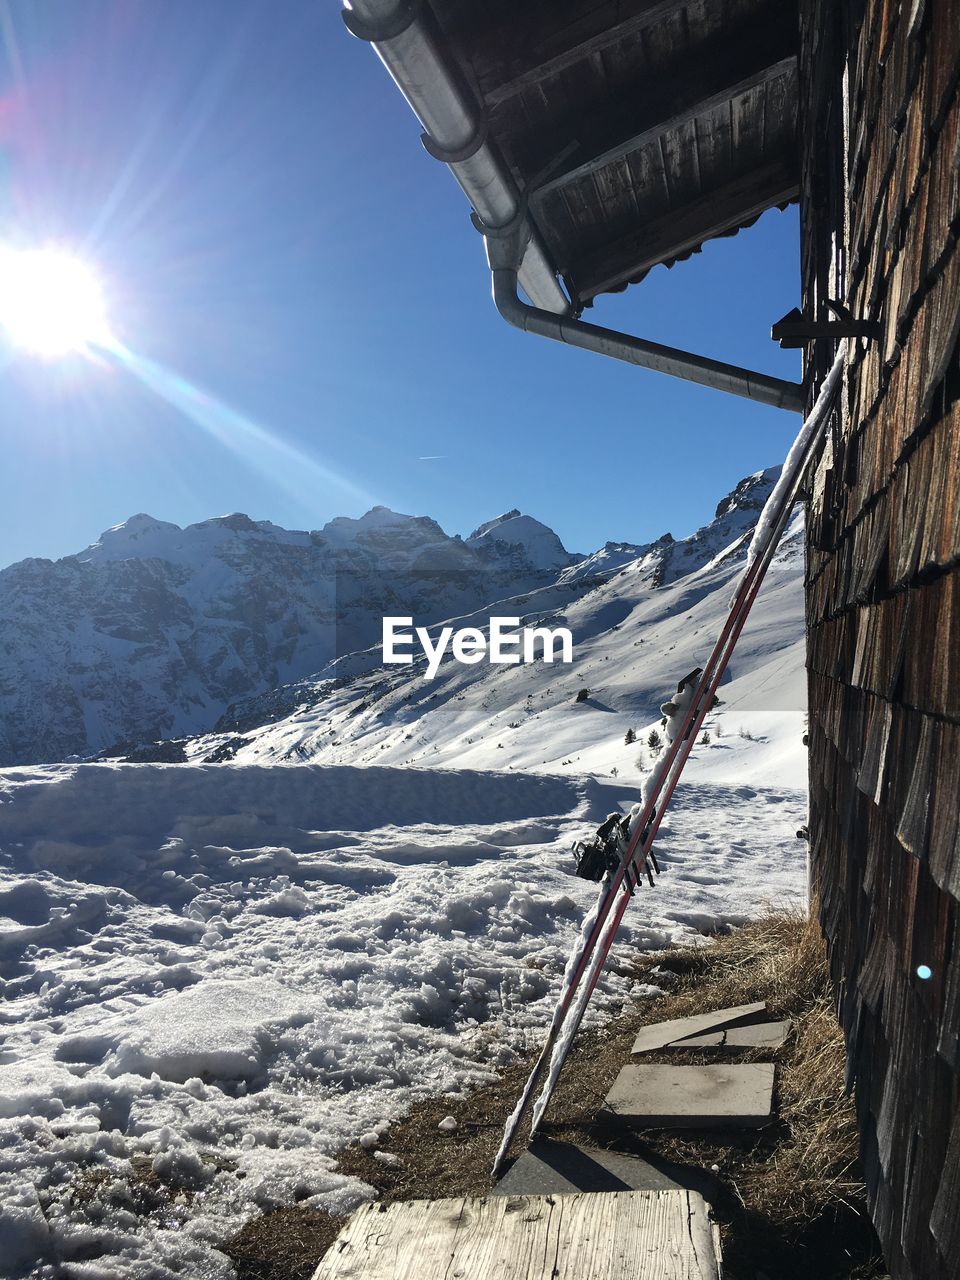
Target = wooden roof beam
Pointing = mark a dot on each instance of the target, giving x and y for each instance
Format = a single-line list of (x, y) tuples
[(605, 24), (720, 72), (683, 230)]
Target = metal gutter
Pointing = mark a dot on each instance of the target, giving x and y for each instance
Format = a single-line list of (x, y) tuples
[(452, 131), (731, 378), (455, 134)]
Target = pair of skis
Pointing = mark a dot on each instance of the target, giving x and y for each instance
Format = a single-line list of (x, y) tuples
[(600, 927)]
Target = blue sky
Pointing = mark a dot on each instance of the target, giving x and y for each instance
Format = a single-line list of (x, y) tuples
[(252, 189)]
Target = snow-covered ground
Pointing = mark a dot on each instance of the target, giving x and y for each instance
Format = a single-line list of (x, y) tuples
[(234, 970), (222, 973)]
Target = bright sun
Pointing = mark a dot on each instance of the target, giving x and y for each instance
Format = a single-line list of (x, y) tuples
[(51, 303)]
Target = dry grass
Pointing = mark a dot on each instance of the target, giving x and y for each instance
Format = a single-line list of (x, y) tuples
[(812, 1164), (789, 1198), (285, 1244)]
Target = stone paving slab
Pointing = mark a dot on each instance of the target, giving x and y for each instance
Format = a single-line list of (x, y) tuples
[(561, 1168), (709, 1097), (762, 1035), (659, 1034)]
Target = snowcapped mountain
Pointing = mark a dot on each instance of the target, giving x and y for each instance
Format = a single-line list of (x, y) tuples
[(513, 534), (155, 630), (640, 616)]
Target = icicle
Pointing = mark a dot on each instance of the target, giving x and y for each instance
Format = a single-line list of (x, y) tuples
[(795, 460), (568, 976), (562, 1047)]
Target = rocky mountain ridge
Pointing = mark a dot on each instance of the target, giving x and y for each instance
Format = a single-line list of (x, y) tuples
[(155, 632), (639, 616)]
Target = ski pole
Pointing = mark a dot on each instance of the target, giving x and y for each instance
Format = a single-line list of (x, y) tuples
[(601, 911), (747, 589), (702, 702), (741, 605)]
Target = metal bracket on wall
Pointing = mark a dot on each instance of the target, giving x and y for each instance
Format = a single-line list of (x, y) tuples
[(795, 330)]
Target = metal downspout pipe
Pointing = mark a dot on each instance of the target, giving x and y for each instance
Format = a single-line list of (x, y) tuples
[(454, 134), (761, 387)]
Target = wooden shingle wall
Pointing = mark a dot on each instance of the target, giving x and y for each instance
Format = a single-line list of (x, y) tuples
[(880, 210)]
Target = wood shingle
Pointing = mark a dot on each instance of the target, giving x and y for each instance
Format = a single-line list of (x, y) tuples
[(883, 596)]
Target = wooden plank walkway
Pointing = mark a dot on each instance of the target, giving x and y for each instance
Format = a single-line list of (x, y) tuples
[(617, 1235)]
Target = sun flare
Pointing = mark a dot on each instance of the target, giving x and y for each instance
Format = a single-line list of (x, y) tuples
[(51, 303)]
